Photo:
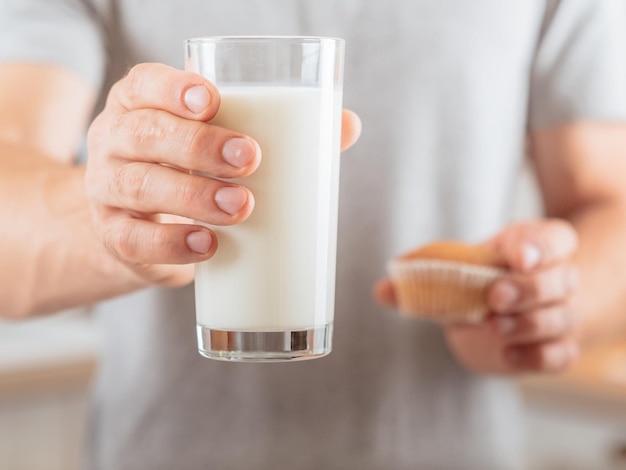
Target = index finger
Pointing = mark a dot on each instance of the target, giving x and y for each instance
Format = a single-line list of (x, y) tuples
[(531, 245), (158, 86)]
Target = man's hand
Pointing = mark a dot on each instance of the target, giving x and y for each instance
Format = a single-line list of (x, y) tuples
[(146, 151), (534, 311), (142, 149), (533, 308)]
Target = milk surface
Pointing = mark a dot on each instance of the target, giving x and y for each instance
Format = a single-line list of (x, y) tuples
[(276, 270)]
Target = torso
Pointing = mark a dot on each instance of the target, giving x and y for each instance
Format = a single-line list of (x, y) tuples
[(441, 86)]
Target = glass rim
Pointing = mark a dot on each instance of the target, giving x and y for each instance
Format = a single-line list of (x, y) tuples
[(263, 39)]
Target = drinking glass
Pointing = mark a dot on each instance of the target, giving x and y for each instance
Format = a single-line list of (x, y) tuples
[(268, 292)]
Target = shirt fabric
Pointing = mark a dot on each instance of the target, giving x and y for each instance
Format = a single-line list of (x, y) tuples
[(446, 90)]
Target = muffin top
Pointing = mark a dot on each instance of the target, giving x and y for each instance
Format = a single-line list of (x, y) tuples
[(444, 250)]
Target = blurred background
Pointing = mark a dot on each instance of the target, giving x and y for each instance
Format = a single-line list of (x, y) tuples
[(576, 421)]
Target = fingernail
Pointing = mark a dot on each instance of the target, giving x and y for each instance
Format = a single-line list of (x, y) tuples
[(239, 151), (531, 255), (199, 242), (231, 199), (506, 325), (505, 294), (197, 98)]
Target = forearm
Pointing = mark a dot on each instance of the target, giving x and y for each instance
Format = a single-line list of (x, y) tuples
[(50, 258), (580, 168), (601, 259)]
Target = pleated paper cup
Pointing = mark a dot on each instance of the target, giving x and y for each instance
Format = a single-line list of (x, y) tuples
[(443, 291)]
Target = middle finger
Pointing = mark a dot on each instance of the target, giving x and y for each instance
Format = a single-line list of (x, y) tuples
[(537, 325), (157, 136), (520, 292)]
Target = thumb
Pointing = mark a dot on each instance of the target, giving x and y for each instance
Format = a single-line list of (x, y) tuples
[(384, 293)]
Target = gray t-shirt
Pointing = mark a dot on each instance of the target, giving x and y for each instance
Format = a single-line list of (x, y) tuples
[(447, 90)]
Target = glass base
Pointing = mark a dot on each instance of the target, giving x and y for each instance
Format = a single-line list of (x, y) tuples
[(265, 346)]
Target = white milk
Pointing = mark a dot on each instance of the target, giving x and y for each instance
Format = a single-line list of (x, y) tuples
[(276, 270)]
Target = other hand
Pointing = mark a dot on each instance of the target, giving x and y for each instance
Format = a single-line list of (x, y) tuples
[(531, 327)]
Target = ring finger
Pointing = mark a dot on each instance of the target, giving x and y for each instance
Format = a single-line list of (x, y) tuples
[(151, 188)]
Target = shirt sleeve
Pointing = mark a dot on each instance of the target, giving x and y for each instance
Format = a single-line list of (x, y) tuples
[(61, 32), (579, 70)]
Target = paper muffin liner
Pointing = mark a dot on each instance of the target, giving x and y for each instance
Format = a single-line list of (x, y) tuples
[(444, 291)]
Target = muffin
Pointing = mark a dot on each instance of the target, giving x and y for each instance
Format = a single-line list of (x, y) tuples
[(446, 281)]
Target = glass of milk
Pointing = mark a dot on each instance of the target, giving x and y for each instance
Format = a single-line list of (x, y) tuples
[(268, 292)]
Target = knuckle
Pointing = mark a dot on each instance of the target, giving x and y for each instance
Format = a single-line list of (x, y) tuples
[(189, 192), (117, 240), (129, 182), (159, 243), (533, 288), (136, 245), (117, 182), (120, 125), (117, 94), (133, 82), (551, 358), (126, 242), (194, 140), (142, 126), (156, 238), (124, 125)]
